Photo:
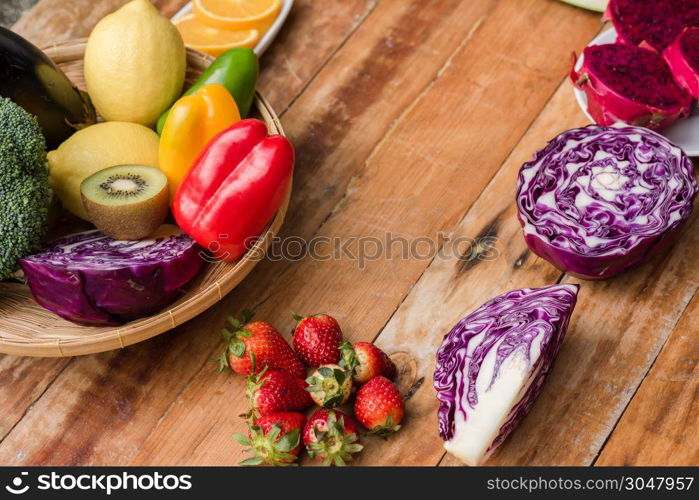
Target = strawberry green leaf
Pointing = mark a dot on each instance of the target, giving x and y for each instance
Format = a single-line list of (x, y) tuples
[(333, 401), (236, 347), (222, 361), (274, 432), (252, 461), (349, 357), (242, 439), (243, 333), (289, 441), (226, 334)]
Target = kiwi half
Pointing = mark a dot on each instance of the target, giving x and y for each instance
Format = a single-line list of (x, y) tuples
[(126, 202)]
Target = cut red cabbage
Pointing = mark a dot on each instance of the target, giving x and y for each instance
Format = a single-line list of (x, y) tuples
[(91, 279), (597, 200), (492, 365)]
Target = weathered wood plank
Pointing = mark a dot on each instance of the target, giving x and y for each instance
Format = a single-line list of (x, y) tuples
[(431, 143), (23, 380), (661, 424)]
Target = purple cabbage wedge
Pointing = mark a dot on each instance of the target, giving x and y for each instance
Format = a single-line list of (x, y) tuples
[(652, 23), (632, 85), (91, 279), (597, 200), (492, 365), (682, 56)]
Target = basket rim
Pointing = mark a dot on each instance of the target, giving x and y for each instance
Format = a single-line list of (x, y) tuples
[(187, 307)]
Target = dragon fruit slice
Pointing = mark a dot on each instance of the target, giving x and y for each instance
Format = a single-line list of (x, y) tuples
[(492, 365), (598, 200), (652, 23), (683, 58), (632, 85)]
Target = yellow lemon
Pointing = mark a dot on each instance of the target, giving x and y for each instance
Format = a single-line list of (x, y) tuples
[(135, 64), (95, 148)]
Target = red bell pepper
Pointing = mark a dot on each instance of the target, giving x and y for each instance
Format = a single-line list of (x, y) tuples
[(234, 188)]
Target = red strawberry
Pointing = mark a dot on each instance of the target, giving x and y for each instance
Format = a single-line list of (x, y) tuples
[(332, 437), (317, 338), (379, 406), (273, 391), (274, 439), (366, 361), (330, 385), (262, 339)]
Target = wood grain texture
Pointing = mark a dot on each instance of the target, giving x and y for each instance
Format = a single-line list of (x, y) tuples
[(660, 425)]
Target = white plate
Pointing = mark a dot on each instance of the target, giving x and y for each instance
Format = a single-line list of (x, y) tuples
[(684, 133), (268, 37)]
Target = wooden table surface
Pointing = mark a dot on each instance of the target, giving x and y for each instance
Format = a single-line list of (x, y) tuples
[(409, 117)]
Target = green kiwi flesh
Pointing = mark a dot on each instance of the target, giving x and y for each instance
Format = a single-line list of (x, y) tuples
[(126, 202)]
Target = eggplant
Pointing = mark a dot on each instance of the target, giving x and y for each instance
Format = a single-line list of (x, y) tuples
[(32, 80)]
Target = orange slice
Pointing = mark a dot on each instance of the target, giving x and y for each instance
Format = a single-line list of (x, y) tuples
[(238, 14), (213, 41)]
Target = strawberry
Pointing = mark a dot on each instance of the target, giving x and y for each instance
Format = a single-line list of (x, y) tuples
[(366, 361), (262, 340), (316, 339), (330, 385), (274, 391), (379, 406), (274, 439), (331, 437)]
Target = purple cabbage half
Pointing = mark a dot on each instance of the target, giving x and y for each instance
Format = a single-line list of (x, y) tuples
[(492, 365), (91, 279), (597, 200)]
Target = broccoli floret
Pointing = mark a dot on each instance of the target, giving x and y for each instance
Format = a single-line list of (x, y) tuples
[(24, 185)]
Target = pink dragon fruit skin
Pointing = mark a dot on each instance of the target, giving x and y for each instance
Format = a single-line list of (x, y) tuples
[(652, 23), (632, 85), (683, 58)]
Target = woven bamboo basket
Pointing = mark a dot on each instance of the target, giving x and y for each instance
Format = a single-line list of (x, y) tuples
[(27, 329)]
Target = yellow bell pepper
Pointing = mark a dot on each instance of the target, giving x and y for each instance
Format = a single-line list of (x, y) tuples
[(193, 121)]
